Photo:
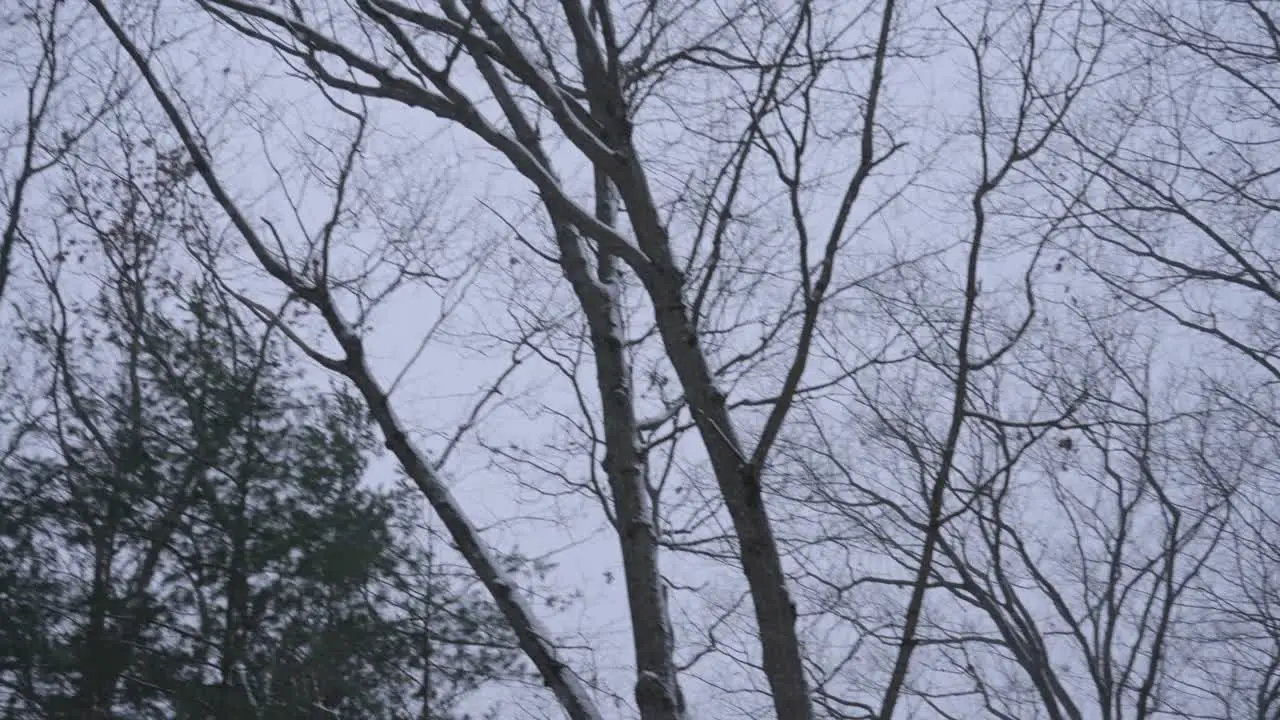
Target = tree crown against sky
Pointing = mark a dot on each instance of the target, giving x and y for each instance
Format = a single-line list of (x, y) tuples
[(887, 359)]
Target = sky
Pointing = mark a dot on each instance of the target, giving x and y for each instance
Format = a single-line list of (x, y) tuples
[(425, 187)]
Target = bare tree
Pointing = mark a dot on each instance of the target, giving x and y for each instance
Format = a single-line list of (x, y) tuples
[(918, 402), (1178, 187), (397, 52), (42, 51), (1176, 191)]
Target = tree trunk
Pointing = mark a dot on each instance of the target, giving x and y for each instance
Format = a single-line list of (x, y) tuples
[(657, 689), (738, 480)]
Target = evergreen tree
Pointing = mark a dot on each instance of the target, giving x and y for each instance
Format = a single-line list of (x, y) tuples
[(187, 531)]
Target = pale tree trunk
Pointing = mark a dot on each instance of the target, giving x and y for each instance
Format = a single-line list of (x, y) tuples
[(738, 478), (739, 469), (657, 691)]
